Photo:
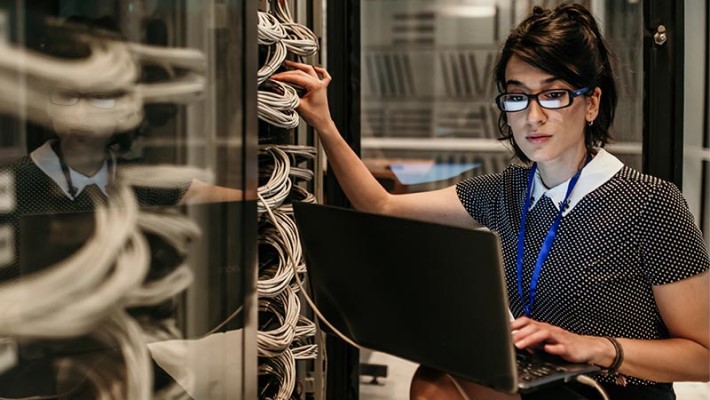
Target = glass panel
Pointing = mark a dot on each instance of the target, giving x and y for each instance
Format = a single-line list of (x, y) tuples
[(124, 266), (428, 88), (696, 122)]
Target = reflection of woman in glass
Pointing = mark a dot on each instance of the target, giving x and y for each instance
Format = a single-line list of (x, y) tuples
[(78, 167), (65, 177)]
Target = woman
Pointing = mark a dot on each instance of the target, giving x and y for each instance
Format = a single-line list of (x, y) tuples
[(622, 281)]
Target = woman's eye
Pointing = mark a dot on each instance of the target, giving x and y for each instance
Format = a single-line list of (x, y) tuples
[(554, 95), (67, 96)]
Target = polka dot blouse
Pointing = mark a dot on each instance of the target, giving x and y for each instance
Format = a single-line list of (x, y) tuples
[(37, 193), (630, 233)]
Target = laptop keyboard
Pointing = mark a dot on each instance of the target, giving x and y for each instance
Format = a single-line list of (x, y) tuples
[(531, 368)]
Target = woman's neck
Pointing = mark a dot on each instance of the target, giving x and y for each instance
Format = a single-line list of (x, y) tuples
[(85, 157), (556, 172)]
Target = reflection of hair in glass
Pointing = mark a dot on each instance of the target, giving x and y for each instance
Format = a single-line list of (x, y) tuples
[(59, 38), (566, 43)]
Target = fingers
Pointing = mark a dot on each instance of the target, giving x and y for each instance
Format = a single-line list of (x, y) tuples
[(534, 338), (309, 69), (297, 78), (520, 322), (324, 73), (529, 333), (312, 70), (304, 78)]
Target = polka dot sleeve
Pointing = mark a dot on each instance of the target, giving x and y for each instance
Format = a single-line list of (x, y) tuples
[(671, 245), (481, 196)]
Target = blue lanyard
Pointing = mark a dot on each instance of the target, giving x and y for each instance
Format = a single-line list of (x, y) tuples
[(546, 245)]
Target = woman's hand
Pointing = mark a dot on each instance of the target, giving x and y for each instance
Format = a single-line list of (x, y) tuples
[(530, 334), (314, 104)]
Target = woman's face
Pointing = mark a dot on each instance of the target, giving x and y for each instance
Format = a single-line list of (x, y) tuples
[(91, 116), (546, 135)]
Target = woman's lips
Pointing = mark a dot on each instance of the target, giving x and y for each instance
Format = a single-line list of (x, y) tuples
[(537, 139)]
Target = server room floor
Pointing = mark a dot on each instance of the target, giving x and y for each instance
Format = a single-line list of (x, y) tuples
[(399, 373)]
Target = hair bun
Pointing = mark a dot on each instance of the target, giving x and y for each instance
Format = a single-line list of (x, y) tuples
[(537, 10)]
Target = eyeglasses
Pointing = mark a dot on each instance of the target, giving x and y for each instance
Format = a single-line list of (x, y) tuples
[(70, 98), (550, 99)]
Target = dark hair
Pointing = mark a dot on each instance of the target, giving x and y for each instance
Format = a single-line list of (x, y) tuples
[(60, 41), (566, 43)]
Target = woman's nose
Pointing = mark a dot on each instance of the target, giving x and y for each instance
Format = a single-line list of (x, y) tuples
[(536, 114)]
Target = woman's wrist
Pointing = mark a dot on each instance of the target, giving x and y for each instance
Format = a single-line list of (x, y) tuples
[(605, 352), (613, 369), (326, 127)]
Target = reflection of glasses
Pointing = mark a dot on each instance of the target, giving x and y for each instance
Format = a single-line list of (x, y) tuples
[(70, 98), (551, 99)]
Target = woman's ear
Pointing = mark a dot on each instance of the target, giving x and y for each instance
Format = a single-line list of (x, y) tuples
[(593, 101)]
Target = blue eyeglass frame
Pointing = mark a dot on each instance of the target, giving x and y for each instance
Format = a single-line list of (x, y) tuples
[(530, 97)]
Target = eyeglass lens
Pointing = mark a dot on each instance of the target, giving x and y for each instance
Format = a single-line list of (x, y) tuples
[(551, 99), (70, 98)]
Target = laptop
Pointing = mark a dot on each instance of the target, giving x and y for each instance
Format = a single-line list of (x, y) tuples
[(429, 293)]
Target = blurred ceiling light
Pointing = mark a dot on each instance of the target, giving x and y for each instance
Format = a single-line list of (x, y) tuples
[(468, 11)]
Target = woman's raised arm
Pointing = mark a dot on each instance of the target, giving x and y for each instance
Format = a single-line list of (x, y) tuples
[(361, 188)]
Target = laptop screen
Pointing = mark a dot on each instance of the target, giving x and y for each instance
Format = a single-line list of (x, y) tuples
[(429, 293)]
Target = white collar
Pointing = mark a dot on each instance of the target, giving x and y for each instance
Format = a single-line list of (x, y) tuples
[(47, 160), (599, 170)]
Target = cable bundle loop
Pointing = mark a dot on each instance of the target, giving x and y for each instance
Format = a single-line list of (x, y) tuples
[(272, 341), (278, 186), (277, 103), (86, 293), (297, 194), (270, 30), (283, 369), (275, 278), (276, 54), (75, 298), (112, 66), (186, 69), (299, 154), (302, 348), (301, 40), (122, 331)]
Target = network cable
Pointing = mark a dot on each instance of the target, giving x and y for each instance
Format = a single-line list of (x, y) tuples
[(270, 30), (301, 40), (275, 55), (70, 280), (274, 340), (287, 335), (310, 302), (112, 67), (277, 103), (283, 369), (122, 331), (278, 185), (80, 301)]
